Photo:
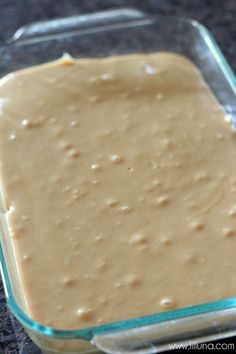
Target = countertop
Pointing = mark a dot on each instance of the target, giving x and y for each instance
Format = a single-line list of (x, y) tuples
[(217, 15)]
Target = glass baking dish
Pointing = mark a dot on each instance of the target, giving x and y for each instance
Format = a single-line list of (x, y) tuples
[(105, 34)]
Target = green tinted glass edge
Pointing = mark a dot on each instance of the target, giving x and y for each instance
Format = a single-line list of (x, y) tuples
[(217, 53)]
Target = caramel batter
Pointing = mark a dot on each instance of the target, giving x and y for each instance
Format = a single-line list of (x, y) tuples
[(119, 180)]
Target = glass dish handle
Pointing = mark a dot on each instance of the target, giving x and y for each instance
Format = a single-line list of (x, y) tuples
[(62, 26), (172, 334)]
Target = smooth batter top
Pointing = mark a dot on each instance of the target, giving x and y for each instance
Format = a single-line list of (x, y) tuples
[(119, 178)]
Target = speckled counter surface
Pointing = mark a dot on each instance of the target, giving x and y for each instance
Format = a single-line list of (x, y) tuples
[(219, 16)]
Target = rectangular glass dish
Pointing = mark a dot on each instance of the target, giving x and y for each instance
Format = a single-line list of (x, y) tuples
[(105, 34)]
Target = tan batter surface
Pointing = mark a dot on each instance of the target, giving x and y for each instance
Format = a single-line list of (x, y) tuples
[(120, 179)]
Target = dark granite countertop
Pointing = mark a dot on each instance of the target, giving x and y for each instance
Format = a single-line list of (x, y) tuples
[(219, 16)]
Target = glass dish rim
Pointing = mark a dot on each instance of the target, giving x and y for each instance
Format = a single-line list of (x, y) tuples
[(90, 332)]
